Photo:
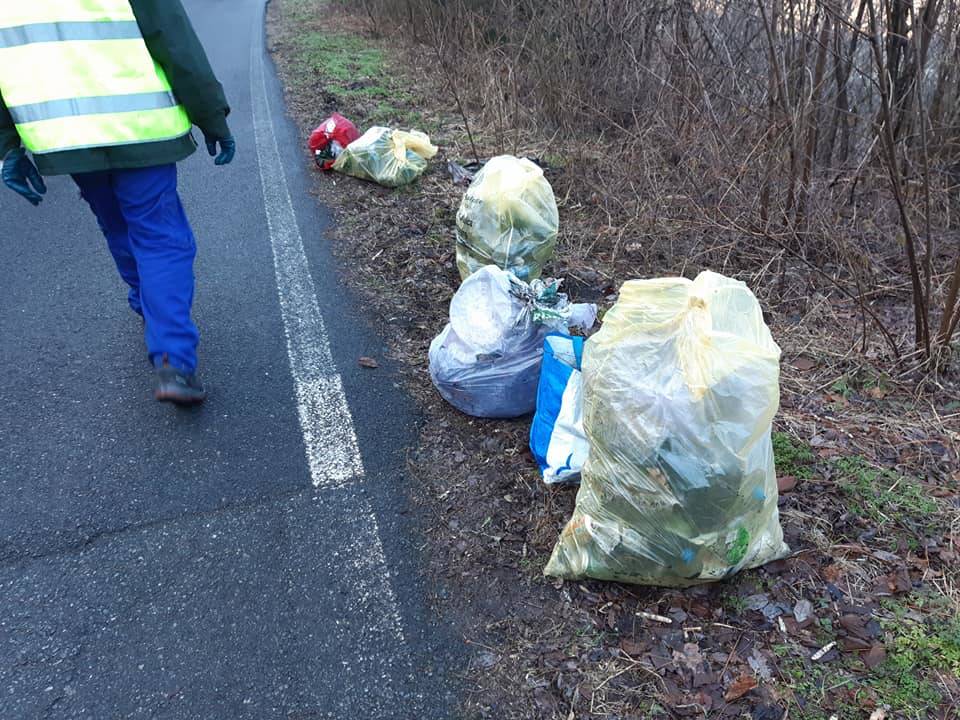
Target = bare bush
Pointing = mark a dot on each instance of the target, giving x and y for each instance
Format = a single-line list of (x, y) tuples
[(825, 131)]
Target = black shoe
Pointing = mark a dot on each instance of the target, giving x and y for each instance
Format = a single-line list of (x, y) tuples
[(177, 387)]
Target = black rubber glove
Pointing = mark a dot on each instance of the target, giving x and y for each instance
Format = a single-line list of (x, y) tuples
[(19, 174), (228, 148)]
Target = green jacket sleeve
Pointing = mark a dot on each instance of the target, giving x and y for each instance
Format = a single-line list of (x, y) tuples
[(9, 139), (174, 44)]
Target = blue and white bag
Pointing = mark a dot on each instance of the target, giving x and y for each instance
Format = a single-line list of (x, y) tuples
[(557, 438)]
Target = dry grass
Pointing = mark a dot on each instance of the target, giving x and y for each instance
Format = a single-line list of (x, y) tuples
[(751, 137)]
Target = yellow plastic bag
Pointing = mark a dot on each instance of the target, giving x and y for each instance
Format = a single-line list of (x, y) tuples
[(680, 388), (508, 218), (389, 157)]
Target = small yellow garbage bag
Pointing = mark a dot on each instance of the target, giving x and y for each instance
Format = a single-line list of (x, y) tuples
[(680, 388), (508, 218), (389, 157)]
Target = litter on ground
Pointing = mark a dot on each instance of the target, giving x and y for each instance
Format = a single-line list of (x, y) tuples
[(680, 387), (508, 218), (389, 157), (486, 362)]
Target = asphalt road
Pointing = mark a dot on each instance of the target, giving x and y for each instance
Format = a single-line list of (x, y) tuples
[(166, 563)]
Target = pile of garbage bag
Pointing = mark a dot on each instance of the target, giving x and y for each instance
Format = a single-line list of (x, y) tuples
[(389, 157), (508, 218), (664, 414), (486, 361), (680, 387)]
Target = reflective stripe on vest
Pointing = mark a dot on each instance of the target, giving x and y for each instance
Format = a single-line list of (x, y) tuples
[(78, 74), (55, 32)]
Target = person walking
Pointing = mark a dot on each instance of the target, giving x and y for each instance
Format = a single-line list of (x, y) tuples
[(108, 91)]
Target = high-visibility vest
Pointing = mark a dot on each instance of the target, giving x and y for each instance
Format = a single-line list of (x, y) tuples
[(77, 74)]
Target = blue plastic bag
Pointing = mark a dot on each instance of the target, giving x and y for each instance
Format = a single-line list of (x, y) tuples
[(557, 439)]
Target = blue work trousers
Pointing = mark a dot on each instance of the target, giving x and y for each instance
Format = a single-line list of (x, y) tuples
[(153, 246)]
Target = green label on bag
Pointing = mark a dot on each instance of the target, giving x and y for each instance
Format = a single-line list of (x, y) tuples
[(738, 549)]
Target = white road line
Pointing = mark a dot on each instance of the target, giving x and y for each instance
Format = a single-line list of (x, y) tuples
[(328, 431)]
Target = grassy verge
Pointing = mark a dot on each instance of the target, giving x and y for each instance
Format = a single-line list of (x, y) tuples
[(350, 71)]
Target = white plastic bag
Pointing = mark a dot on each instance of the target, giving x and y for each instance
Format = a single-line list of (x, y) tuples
[(680, 387), (486, 362)]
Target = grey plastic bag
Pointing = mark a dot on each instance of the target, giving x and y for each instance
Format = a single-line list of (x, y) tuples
[(486, 362)]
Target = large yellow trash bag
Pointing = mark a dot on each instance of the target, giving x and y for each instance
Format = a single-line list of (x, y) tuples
[(680, 388), (389, 157), (508, 218)]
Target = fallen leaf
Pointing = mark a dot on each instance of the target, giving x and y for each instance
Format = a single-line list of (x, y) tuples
[(690, 657), (612, 617), (758, 602), (631, 647), (777, 567), (896, 582), (786, 483), (705, 700), (854, 644), (804, 364), (774, 610), (767, 712), (803, 610), (758, 663), (702, 679), (878, 714), (832, 573), (886, 556), (659, 658), (877, 393), (855, 625), (740, 687), (874, 656), (369, 362)]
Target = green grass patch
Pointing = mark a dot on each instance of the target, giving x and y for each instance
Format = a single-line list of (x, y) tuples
[(843, 388), (919, 652), (792, 457), (355, 72), (386, 113), (352, 67), (883, 495), (342, 58), (734, 603), (555, 160), (916, 653), (806, 681)]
